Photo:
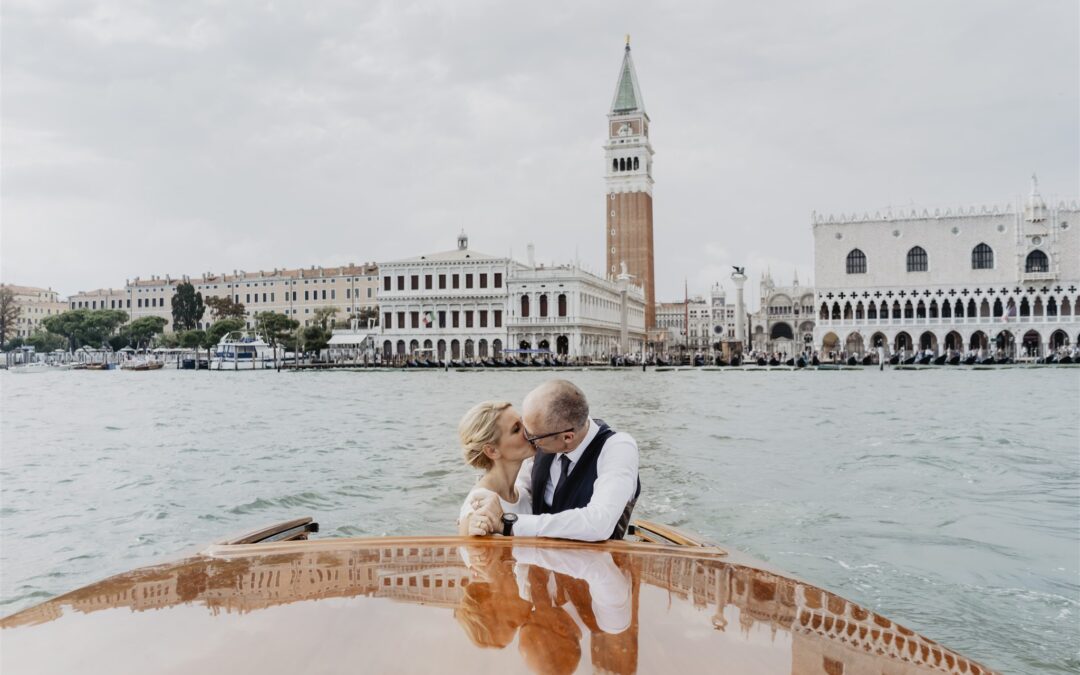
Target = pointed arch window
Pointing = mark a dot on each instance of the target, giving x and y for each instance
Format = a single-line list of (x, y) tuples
[(856, 262), (614, 165), (1037, 262), (982, 257), (525, 306), (917, 260), (635, 164)]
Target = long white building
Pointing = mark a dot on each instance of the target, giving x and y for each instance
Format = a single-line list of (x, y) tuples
[(574, 313), (464, 304), (448, 305), (994, 278)]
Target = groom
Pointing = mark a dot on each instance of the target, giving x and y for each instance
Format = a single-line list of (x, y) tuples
[(584, 480)]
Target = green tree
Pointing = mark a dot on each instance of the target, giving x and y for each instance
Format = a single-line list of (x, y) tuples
[(316, 338), (14, 343), (277, 329), (85, 326), (366, 314), (10, 311), (324, 316), (187, 307), (168, 340), (119, 341), (224, 307), (44, 341), (141, 331), (192, 339)]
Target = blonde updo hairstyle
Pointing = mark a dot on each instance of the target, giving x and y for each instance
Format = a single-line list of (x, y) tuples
[(480, 427)]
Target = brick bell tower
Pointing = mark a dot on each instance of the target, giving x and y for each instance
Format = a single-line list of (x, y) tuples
[(629, 182)]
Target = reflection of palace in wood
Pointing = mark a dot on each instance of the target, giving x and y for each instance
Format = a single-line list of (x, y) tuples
[(828, 634)]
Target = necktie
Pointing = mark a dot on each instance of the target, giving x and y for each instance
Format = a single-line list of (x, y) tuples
[(563, 474)]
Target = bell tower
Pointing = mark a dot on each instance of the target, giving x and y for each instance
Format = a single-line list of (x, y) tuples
[(628, 156)]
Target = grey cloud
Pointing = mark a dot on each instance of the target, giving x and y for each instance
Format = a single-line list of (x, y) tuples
[(145, 138)]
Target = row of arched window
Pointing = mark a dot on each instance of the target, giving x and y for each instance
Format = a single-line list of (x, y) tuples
[(625, 164), (543, 305), (948, 309), (982, 258)]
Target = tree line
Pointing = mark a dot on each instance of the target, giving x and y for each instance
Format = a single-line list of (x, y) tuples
[(110, 328)]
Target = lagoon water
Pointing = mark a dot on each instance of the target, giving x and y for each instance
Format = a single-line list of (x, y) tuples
[(947, 500)]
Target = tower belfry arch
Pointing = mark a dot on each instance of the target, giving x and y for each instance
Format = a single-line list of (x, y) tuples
[(628, 157)]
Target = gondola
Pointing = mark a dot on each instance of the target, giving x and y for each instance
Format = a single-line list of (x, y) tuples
[(852, 361), (411, 363), (868, 360), (815, 361), (736, 361), (801, 363), (925, 359), (719, 361), (699, 360), (988, 361), (955, 360), (910, 360), (970, 361), (940, 361), (761, 361), (894, 359), (774, 361), (1065, 359), (456, 363)]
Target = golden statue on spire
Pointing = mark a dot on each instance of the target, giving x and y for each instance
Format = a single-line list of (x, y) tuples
[(628, 40)]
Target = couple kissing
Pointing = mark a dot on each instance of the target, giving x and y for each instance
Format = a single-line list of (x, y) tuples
[(549, 471)]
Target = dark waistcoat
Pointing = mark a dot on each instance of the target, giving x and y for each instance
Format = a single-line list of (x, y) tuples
[(578, 490)]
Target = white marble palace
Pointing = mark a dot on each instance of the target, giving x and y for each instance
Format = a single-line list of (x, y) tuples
[(463, 304), (993, 278)]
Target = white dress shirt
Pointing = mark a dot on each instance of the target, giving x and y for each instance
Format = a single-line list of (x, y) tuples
[(616, 482), (610, 589)]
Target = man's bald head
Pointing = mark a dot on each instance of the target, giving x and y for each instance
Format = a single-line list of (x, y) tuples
[(556, 405)]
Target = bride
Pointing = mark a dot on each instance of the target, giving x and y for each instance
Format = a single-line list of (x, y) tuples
[(493, 440)]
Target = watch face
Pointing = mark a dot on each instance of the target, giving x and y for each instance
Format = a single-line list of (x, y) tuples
[(511, 517)]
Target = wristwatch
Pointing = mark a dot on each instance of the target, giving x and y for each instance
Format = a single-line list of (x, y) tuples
[(508, 521)]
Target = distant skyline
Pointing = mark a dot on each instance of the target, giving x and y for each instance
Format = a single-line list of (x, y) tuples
[(181, 138)]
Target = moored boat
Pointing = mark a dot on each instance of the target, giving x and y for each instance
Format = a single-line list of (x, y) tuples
[(273, 601)]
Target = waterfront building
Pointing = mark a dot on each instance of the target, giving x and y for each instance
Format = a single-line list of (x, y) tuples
[(35, 305), (699, 323), (574, 313), (671, 322), (296, 293), (448, 305), (990, 278), (628, 201), (784, 322)]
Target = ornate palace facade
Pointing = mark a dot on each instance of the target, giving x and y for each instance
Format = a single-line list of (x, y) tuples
[(995, 278)]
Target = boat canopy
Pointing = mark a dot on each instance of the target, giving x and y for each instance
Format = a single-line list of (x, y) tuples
[(349, 339)]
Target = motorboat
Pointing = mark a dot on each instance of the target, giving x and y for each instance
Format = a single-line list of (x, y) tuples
[(240, 351), (39, 367), (277, 601)]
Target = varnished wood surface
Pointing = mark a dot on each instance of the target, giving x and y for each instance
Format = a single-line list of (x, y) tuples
[(453, 604)]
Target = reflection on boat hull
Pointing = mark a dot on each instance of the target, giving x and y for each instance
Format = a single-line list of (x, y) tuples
[(625, 606)]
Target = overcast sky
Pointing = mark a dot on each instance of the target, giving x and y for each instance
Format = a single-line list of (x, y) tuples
[(176, 138)]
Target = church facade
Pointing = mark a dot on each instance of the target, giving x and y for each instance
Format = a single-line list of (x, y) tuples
[(1000, 279), (785, 321), (629, 201)]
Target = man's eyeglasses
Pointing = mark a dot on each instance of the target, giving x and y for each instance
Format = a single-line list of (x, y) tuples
[(533, 439)]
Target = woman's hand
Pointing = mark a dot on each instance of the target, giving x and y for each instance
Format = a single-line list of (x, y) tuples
[(480, 524)]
